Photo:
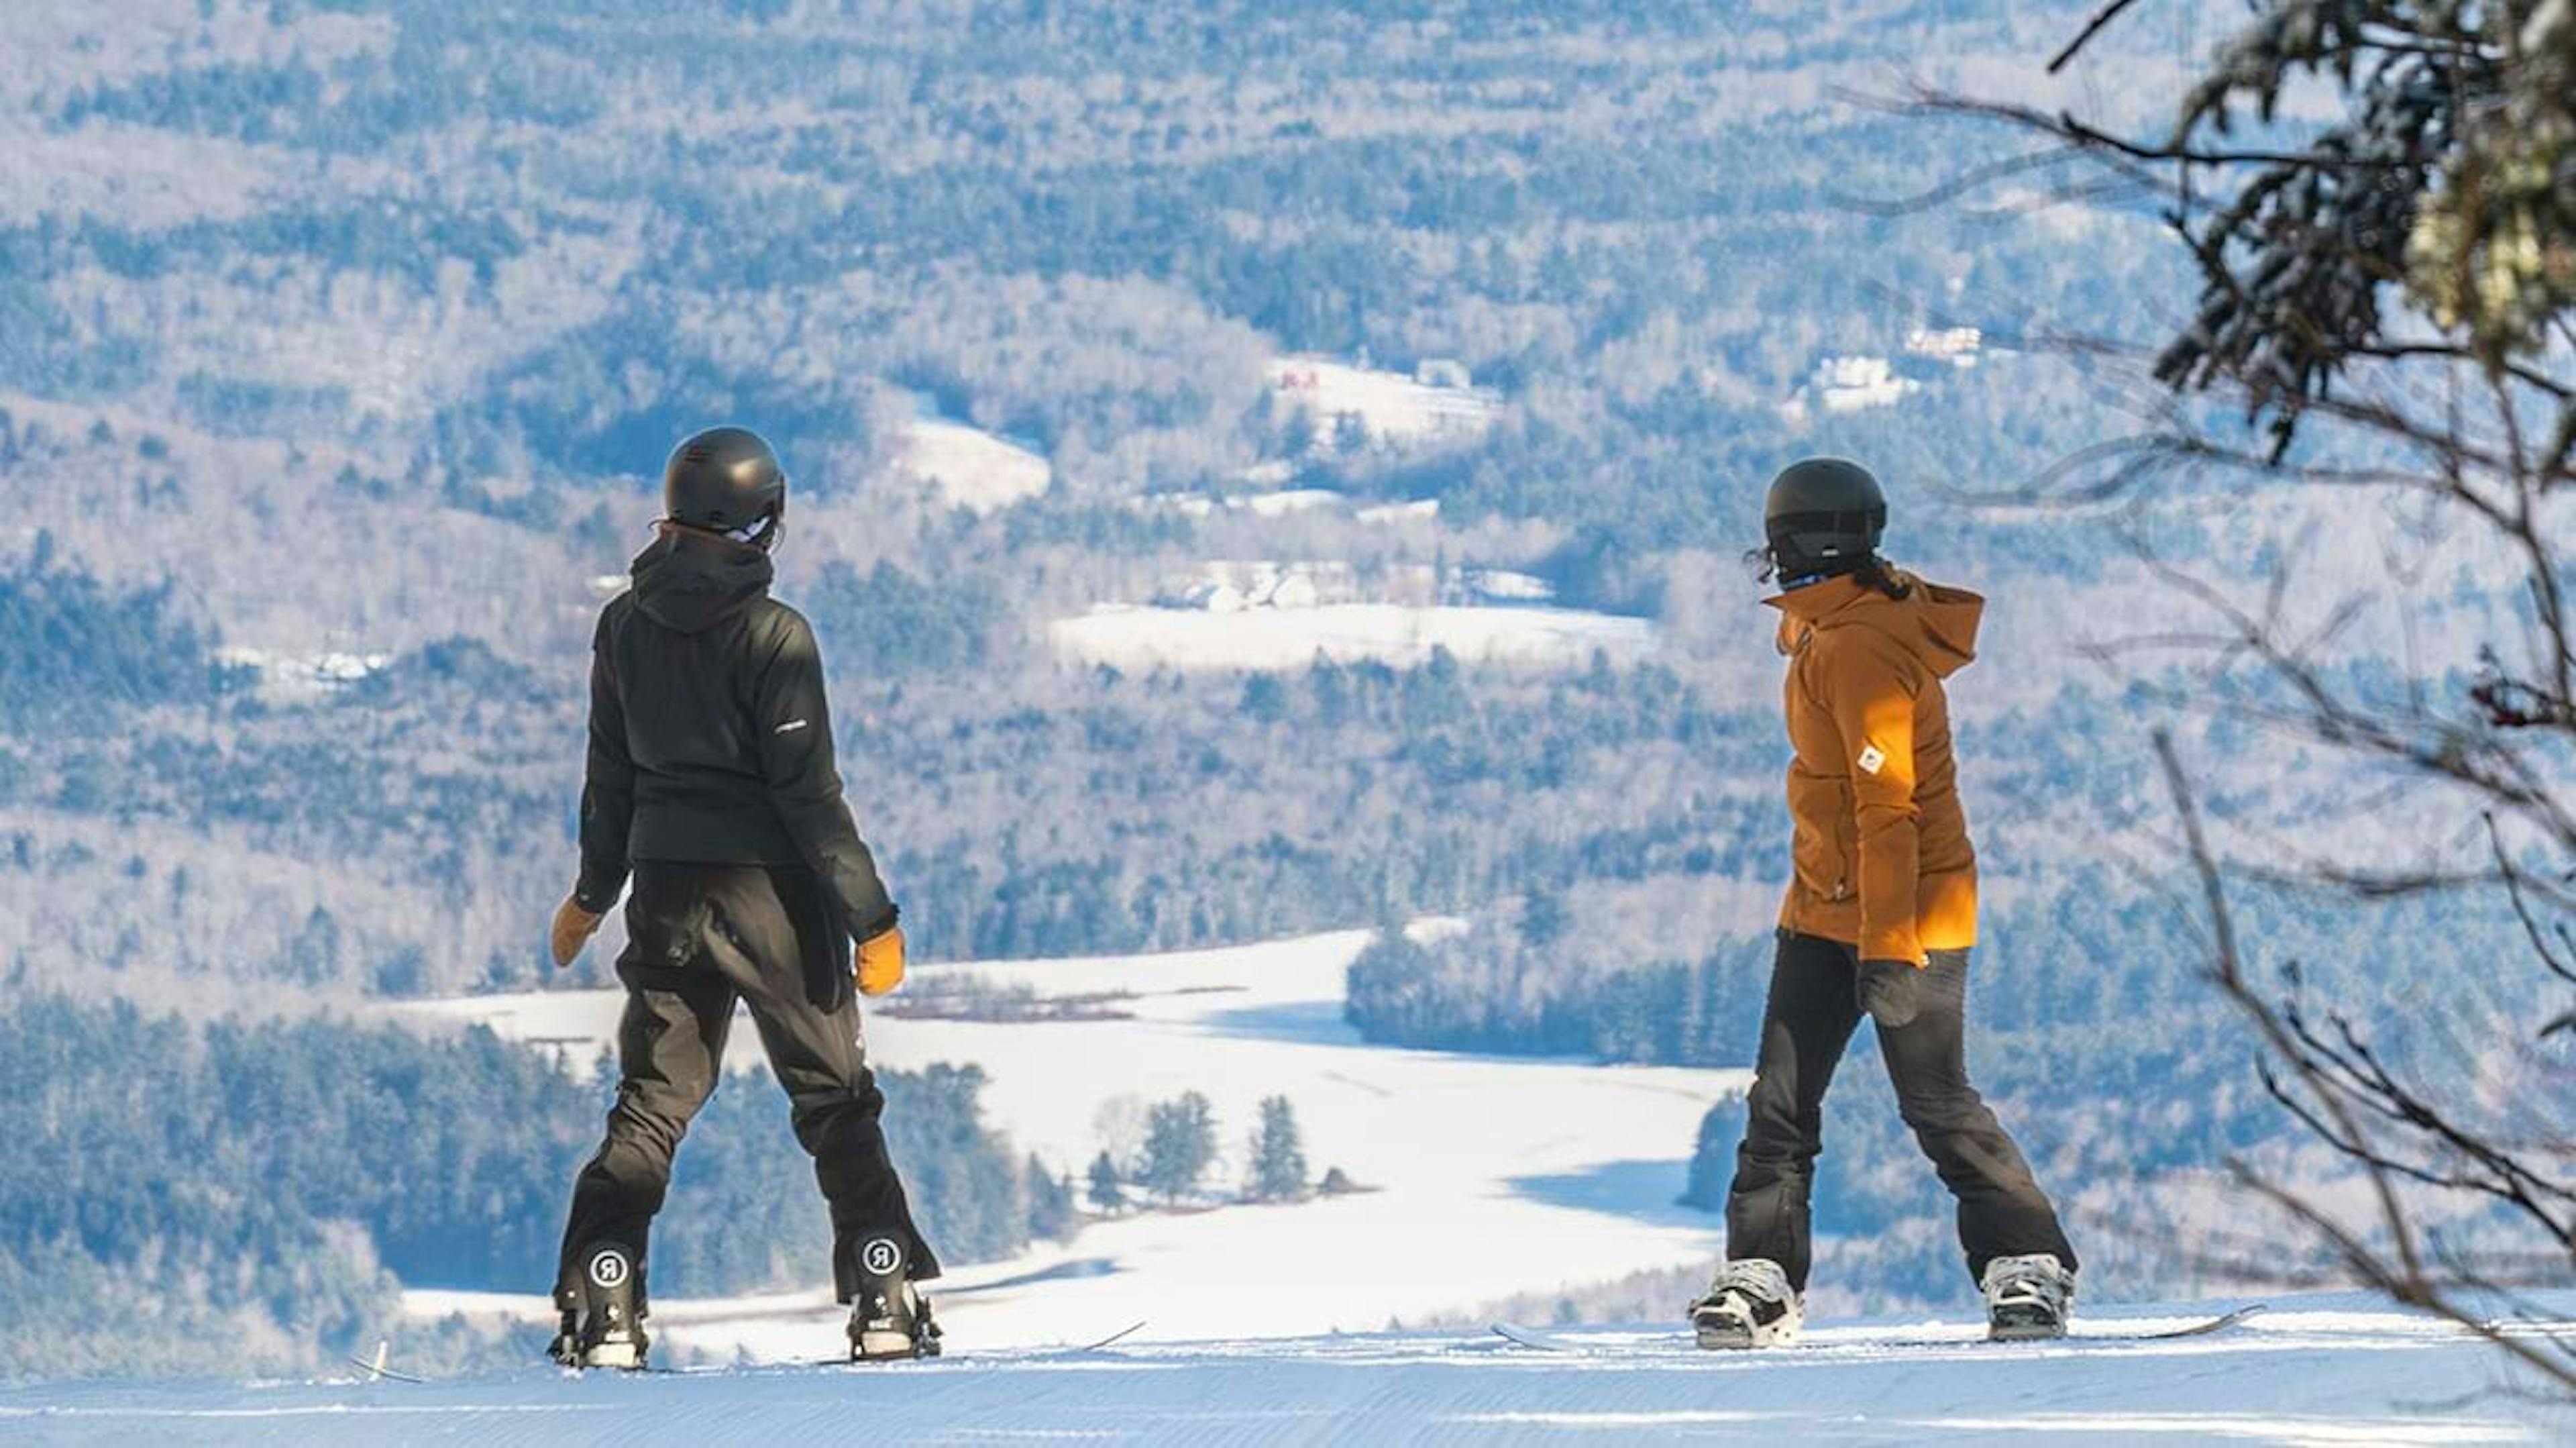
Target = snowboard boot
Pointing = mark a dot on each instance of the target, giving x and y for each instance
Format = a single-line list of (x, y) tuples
[(603, 1317), (2027, 1298), (889, 1318), (1750, 1305)]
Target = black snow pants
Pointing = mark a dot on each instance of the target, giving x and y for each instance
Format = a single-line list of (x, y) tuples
[(1812, 1011), (701, 937)]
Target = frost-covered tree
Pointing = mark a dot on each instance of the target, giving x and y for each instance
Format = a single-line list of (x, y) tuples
[(1107, 1191), (1350, 434), (2387, 296), (1278, 1154), (1180, 1145)]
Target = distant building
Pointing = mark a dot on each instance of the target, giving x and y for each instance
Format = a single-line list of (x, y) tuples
[(1233, 586), (1957, 346), (1436, 403), (1848, 384), (1443, 372)]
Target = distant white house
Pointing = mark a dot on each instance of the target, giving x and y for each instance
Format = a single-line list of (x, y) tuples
[(1958, 346), (301, 676), (1443, 372), (1235, 585), (1850, 384)]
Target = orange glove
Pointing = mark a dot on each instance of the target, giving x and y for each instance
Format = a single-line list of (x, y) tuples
[(881, 962), (573, 928)]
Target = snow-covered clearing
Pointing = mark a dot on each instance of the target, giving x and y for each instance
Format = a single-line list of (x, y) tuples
[(1131, 637), (301, 678), (972, 469), (1288, 503), (1395, 409), (2320, 1371), (1489, 1176)]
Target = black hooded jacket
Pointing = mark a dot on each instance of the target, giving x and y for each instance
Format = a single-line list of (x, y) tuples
[(710, 742)]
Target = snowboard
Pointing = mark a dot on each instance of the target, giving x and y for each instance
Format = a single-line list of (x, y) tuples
[(2089, 1333), (378, 1372), (1047, 1354)]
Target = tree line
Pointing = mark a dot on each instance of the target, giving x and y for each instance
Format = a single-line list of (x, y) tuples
[(161, 1180)]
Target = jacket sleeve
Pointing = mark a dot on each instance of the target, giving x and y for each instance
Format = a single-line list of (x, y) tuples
[(1873, 699), (607, 789), (795, 724)]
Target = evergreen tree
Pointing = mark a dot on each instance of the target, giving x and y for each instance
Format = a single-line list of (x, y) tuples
[(1051, 1214), (1180, 1145), (1297, 438), (1543, 918), (1108, 1190), (1278, 1155)]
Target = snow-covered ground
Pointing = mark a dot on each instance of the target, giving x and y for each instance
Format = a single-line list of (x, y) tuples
[(1485, 1176), (1288, 503), (300, 678), (1132, 637), (2317, 1371), (1395, 408), (972, 468)]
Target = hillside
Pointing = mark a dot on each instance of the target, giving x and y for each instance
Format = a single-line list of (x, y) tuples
[(2311, 1372), (1261, 475)]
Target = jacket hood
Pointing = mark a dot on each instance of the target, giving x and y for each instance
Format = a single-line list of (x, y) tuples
[(689, 581), (1936, 624)]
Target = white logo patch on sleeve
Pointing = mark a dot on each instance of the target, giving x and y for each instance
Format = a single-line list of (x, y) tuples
[(790, 727), (1871, 760)]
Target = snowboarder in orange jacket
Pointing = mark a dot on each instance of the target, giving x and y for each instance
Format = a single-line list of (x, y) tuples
[(1880, 917)]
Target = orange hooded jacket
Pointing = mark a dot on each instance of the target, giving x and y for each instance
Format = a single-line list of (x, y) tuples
[(1882, 853)]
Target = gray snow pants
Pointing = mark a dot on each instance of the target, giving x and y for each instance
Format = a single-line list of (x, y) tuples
[(1810, 1016)]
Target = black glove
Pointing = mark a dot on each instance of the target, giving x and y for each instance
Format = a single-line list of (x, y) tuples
[(1887, 991)]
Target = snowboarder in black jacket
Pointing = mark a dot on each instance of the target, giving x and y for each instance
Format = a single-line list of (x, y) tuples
[(711, 778)]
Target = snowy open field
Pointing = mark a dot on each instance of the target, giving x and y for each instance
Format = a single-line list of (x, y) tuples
[(1289, 638), (1488, 1176), (2326, 1371), (971, 468), (1395, 408)]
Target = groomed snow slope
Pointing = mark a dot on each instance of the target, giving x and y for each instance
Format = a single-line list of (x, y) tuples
[(2322, 1371)]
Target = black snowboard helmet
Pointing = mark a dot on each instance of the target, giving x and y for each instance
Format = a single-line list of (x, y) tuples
[(726, 480), (1823, 518)]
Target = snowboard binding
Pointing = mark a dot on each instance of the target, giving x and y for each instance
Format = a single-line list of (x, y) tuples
[(603, 1313), (1749, 1305), (889, 1318), (2027, 1298)]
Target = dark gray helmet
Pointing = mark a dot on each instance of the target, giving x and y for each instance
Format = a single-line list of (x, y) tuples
[(726, 480), (1823, 516)]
